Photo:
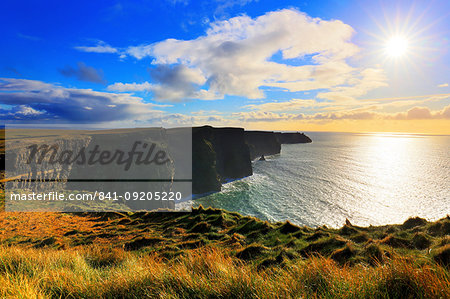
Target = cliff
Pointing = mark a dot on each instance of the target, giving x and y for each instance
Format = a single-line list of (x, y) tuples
[(218, 155), (269, 143), (262, 143), (64, 160), (221, 154), (290, 138)]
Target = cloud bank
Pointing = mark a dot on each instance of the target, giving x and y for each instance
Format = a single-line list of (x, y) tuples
[(415, 113), (286, 49), (31, 99)]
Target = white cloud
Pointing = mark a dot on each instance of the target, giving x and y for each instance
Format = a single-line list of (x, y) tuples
[(12, 84), (443, 85), (20, 112), (164, 93), (206, 112), (174, 119), (235, 57), (139, 52), (355, 114), (122, 87), (291, 105), (28, 37), (261, 116), (224, 5), (101, 47), (26, 111), (369, 79)]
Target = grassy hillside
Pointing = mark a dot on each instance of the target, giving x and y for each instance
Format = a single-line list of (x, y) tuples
[(214, 253)]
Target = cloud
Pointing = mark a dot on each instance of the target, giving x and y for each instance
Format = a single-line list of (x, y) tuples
[(101, 47), (445, 113), (164, 93), (20, 112), (348, 115), (382, 108), (272, 117), (414, 113), (205, 112), (291, 105), (217, 119), (11, 84), (369, 79), (177, 75), (174, 119), (261, 116), (83, 73), (26, 110), (419, 113), (31, 99), (178, 119), (223, 5), (28, 37), (236, 57), (423, 113), (172, 83), (123, 87), (443, 85), (429, 97), (175, 2), (175, 82)]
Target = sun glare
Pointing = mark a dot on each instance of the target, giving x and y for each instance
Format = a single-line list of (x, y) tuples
[(396, 46)]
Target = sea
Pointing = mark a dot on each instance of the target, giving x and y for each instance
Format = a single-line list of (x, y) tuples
[(369, 179)]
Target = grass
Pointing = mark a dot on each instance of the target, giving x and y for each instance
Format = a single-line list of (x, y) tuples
[(212, 253), (206, 273)]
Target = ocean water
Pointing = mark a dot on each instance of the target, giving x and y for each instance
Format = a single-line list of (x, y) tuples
[(371, 179)]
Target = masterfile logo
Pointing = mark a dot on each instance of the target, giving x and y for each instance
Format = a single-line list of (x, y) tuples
[(141, 153), (119, 170)]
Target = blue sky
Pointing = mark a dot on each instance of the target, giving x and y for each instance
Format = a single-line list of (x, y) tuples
[(280, 64)]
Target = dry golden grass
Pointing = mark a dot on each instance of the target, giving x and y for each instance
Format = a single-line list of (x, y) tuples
[(29, 228), (213, 253), (206, 273)]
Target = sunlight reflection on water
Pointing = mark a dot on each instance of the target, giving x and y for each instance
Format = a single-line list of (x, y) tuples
[(367, 178)]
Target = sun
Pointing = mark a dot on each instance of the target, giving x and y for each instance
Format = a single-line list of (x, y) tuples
[(396, 46)]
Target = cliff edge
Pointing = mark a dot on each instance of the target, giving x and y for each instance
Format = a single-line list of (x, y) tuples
[(223, 154)]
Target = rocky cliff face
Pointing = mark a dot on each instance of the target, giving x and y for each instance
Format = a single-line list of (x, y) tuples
[(262, 143), (219, 155), (33, 174), (64, 161), (290, 138), (269, 143)]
